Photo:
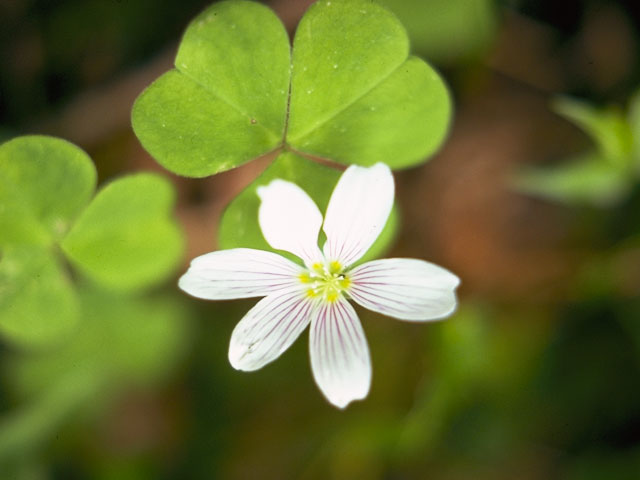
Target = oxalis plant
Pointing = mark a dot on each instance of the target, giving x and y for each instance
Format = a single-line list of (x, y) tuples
[(347, 93), (58, 237), (77, 274)]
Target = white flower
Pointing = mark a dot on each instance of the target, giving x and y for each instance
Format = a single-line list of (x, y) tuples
[(317, 293)]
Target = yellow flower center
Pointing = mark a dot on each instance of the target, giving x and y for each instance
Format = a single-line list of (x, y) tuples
[(325, 281)]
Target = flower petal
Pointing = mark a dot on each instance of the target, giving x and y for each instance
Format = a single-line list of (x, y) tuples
[(339, 353), (268, 329), (290, 220), (357, 212), (404, 288), (239, 273)]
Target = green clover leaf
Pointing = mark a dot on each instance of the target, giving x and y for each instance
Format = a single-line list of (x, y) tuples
[(226, 101), (44, 183), (38, 305), (348, 91), (123, 239)]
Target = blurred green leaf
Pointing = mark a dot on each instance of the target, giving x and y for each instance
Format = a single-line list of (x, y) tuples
[(239, 225), (447, 30), (121, 342), (608, 128), (37, 303), (482, 368), (25, 469), (44, 184), (355, 96), (126, 238), (463, 345), (633, 117), (146, 337), (226, 101), (461, 349), (621, 464), (629, 318), (587, 179), (25, 429), (18, 225)]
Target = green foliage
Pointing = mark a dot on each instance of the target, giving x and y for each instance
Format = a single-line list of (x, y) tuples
[(354, 95), (634, 125), (122, 339), (332, 70), (239, 226), (600, 177), (44, 183), (622, 464), (124, 238), (587, 179), (24, 430), (608, 128), (225, 102), (37, 303), (122, 342), (398, 122), (475, 357), (447, 30)]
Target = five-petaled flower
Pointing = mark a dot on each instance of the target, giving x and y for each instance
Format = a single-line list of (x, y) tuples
[(317, 293)]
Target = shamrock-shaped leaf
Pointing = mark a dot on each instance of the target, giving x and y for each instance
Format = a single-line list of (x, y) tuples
[(349, 91), (124, 238), (44, 183), (239, 226)]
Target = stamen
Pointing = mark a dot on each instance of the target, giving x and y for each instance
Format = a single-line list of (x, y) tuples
[(335, 267), (331, 296), (325, 280), (305, 277)]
